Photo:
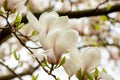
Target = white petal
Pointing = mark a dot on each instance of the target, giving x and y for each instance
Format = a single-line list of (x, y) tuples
[(21, 7), (51, 56), (33, 21), (90, 58), (61, 22), (52, 36), (47, 19), (43, 40), (103, 76), (70, 68), (75, 57), (65, 40)]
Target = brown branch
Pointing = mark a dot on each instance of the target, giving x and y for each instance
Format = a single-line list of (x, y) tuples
[(72, 14), (83, 13), (13, 73), (25, 72), (5, 34), (89, 13)]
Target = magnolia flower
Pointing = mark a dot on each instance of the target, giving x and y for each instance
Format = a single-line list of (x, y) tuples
[(38, 5), (59, 42), (66, 6), (55, 38), (15, 4), (77, 26), (87, 61)]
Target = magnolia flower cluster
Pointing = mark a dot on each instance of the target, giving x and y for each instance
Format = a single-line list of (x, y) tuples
[(12, 5), (56, 37)]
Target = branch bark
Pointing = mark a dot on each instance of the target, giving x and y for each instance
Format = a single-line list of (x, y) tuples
[(84, 13), (71, 14)]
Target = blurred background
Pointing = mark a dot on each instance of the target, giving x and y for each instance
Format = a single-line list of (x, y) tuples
[(98, 24)]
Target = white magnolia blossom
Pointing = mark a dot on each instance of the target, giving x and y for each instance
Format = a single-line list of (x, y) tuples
[(87, 60), (17, 5), (55, 38), (38, 5)]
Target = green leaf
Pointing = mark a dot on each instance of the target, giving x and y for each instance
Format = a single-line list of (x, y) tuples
[(17, 57), (33, 33), (20, 26), (103, 70), (80, 75), (96, 44), (109, 6), (21, 63), (103, 18), (97, 27), (62, 62), (44, 63), (17, 20), (96, 74), (35, 77), (67, 51), (1, 12), (58, 78), (89, 76), (5, 4)]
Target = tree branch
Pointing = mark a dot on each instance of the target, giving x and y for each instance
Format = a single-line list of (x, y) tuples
[(13, 73), (83, 13), (92, 12), (25, 72), (72, 14)]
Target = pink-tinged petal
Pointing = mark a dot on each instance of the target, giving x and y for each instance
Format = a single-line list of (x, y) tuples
[(52, 36), (51, 58), (33, 21), (103, 76), (47, 19), (1, 3), (61, 22), (11, 4), (91, 58), (65, 40), (70, 68)]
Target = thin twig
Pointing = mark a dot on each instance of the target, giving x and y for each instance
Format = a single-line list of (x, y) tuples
[(27, 1), (11, 70), (46, 69), (100, 5)]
